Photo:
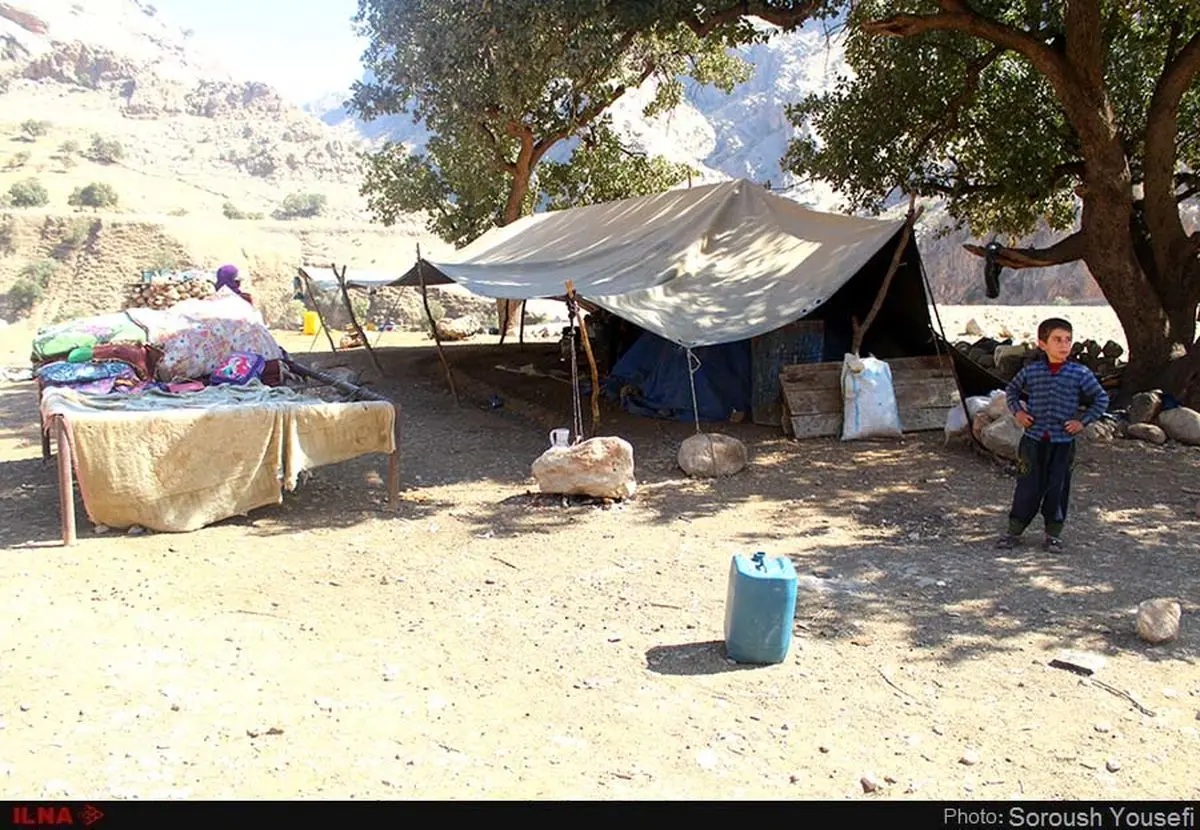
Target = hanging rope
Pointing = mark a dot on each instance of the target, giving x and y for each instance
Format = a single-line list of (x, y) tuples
[(693, 367), (576, 398)]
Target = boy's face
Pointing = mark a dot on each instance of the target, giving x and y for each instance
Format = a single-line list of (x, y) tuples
[(1057, 345)]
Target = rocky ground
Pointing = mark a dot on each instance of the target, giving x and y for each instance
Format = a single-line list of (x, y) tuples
[(482, 642)]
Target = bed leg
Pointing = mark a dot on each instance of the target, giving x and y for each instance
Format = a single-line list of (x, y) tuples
[(66, 481), (394, 465)]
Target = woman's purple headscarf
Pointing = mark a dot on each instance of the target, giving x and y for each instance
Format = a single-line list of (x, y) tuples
[(227, 275)]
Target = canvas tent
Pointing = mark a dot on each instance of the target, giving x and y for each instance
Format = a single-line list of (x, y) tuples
[(724, 270)]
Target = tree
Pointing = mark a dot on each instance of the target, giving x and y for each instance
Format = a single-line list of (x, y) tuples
[(500, 84), (1084, 113), (95, 195), (105, 151), (301, 205), (28, 193), (34, 129)]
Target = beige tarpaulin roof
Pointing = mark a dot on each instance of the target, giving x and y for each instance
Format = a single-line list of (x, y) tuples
[(700, 266)]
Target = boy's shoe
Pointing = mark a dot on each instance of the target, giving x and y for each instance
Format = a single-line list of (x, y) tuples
[(1052, 544), (1008, 541)]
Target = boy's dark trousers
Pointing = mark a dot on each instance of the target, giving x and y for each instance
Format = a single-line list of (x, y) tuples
[(1043, 481)]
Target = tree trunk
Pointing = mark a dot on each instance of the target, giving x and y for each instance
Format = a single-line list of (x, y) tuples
[(508, 312)]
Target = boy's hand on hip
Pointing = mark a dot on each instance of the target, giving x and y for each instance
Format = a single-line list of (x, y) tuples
[(1024, 419), (1074, 427)]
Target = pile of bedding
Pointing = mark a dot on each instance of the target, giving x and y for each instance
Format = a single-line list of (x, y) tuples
[(196, 343)]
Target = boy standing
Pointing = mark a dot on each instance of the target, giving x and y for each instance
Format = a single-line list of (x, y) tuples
[(1056, 389)]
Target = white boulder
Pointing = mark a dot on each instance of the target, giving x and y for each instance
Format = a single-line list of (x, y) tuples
[(599, 467)]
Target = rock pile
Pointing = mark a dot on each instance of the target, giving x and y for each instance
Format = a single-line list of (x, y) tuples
[(1005, 358), (166, 293)]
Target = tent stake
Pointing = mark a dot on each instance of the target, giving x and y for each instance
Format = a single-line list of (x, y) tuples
[(860, 330), (437, 340), (587, 348), (341, 278)]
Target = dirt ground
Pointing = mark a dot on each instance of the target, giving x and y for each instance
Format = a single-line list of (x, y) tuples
[(480, 643)]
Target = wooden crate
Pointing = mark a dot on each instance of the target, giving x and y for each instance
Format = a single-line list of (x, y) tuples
[(925, 391)]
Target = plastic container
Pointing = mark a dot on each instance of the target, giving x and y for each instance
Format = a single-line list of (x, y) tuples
[(312, 322), (759, 608)]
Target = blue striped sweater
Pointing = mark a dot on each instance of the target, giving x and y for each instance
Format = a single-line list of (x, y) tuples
[(1055, 397)]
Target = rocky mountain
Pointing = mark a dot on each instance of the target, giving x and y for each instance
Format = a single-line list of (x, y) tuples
[(204, 168)]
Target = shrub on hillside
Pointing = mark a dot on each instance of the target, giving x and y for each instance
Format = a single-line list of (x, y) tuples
[(231, 211), (34, 129), (301, 206), (94, 195), (18, 160), (68, 148), (28, 193), (105, 151), (40, 273), (24, 294)]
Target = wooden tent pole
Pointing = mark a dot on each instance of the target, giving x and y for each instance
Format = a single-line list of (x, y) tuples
[(860, 330), (341, 278), (312, 296), (522, 340), (437, 340), (587, 348)]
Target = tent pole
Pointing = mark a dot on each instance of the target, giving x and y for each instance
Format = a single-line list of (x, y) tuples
[(522, 340), (860, 330), (341, 278), (437, 340), (312, 296), (587, 348)]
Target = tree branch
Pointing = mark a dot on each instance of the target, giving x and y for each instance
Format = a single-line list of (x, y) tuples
[(1068, 249), (503, 163), (974, 70), (1162, 132), (1085, 50)]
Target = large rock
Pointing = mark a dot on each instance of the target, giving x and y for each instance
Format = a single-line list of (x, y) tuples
[(1003, 437), (458, 329), (712, 455), (1101, 431), (1158, 620), (599, 467), (1145, 406), (1147, 432), (1181, 424)]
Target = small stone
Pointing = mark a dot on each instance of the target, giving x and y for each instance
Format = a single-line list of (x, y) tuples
[(136, 530), (937, 730), (972, 328), (711, 455), (1170, 694), (100, 529), (969, 758), (888, 779), (1158, 620), (869, 783), (824, 750), (1103, 727), (24, 707), (1112, 765)]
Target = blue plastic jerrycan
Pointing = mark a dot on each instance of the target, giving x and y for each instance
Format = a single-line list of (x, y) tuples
[(759, 608)]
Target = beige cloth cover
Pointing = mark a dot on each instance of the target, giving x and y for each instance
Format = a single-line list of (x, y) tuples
[(180, 462)]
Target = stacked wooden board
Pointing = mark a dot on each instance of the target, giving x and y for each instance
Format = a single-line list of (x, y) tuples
[(812, 395)]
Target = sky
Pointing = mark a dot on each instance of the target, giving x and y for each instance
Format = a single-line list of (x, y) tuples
[(303, 48)]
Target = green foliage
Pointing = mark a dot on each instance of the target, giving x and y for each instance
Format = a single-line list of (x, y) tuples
[(95, 195), (68, 148), (40, 273), (601, 170), (28, 193), (77, 232), (501, 84), (301, 206), (105, 151), (18, 160), (947, 115), (24, 294), (231, 211), (34, 129)]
